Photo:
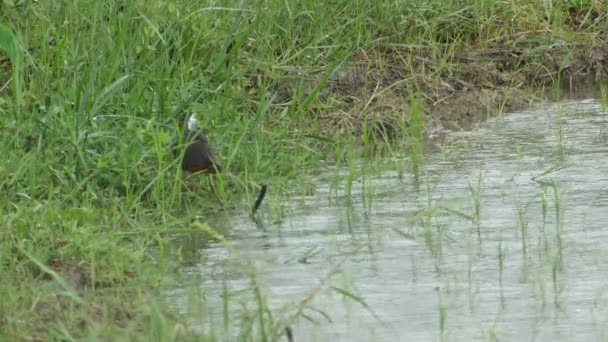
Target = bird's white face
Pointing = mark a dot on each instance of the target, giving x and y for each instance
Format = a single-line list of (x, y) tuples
[(193, 123)]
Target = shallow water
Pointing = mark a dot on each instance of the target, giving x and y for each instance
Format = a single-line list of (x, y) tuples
[(533, 267)]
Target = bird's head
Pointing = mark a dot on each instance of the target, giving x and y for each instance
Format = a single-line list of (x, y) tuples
[(193, 123), (189, 122)]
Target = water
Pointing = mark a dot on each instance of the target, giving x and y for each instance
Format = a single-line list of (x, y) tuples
[(533, 267)]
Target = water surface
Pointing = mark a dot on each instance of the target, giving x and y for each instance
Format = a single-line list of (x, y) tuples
[(532, 265)]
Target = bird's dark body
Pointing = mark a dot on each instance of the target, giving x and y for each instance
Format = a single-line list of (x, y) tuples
[(199, 155)]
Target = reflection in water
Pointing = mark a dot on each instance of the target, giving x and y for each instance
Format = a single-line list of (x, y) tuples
[(530, 264)]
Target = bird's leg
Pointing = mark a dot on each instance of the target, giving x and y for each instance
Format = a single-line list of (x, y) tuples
[(213, 190), (186, 187)]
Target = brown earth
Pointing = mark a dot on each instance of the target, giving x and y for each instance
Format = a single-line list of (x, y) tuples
[(459, 93)]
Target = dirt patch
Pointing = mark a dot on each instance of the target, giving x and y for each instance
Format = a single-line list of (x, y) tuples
[(75, 274), (53, 310), (53, 306), (374, 90)]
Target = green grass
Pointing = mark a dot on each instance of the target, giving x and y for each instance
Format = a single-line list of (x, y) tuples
[(88, 95)]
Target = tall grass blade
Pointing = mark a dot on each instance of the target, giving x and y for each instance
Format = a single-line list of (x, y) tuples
[(10, 46)]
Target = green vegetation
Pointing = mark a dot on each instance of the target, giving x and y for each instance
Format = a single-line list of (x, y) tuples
[(91, 196)]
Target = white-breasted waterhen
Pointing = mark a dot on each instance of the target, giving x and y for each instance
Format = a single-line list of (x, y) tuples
[(199, 155)]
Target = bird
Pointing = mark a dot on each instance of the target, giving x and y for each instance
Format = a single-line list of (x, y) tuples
[(199, 156)]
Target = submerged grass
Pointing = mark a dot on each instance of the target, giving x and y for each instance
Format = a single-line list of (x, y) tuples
[(91, 200)]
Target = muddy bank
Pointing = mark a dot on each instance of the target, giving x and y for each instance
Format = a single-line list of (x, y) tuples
[(456, 92)]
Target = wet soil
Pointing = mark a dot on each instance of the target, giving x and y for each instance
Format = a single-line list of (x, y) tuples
[(460, 92)]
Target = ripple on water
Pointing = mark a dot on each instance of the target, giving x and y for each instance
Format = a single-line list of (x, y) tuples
[(504, 288)]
